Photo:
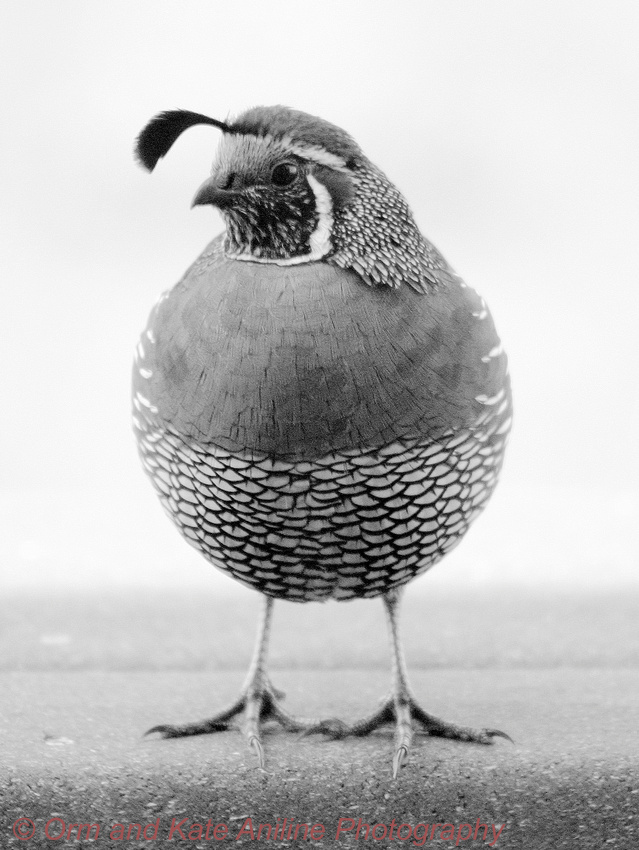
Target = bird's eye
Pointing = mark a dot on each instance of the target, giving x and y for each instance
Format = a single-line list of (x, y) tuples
[(284, 174), (231, 181)]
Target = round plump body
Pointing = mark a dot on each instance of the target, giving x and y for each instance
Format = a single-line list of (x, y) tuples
[(313, 436)]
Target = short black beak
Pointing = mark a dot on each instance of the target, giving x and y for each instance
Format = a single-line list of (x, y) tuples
[(210, 192)]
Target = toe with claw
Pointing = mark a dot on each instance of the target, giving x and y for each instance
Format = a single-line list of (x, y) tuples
[(258, 703), (409, 717)]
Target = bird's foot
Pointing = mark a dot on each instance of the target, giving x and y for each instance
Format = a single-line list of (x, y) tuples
[(408, 717), (258, 703)]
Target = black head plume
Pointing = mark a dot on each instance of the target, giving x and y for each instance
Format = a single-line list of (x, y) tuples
[(159, 134)]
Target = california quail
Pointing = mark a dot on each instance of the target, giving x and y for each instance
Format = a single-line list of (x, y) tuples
[(321, 403)]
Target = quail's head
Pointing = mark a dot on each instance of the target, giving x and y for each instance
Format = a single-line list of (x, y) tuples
[(294, 188)]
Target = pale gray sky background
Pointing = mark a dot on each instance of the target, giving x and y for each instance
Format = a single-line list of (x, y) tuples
[(512, 128)]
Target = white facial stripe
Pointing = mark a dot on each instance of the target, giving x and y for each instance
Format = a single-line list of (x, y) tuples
[(320, 240), (313, 153)]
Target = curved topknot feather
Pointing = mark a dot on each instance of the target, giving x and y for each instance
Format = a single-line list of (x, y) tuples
[(158, 136)]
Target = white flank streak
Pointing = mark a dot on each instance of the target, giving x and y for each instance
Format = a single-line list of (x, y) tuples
[(484, 399), (483, 312), (494, 352), (145, 402)]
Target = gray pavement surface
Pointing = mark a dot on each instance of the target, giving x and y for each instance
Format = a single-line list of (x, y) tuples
[(83, 677)]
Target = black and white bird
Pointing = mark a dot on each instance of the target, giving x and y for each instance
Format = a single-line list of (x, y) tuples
[(321, 403)]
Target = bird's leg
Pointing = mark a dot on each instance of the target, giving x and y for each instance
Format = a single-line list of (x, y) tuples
[(401, 706), (258, 701)]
